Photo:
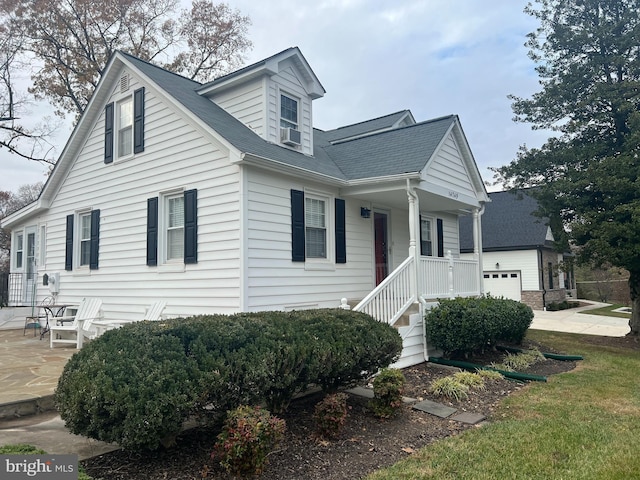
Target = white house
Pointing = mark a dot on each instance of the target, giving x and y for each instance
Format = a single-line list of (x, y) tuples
[(223, 198), (520, 259)]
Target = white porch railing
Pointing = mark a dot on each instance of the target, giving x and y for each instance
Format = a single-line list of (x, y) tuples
[(393, 296), (436, 278), (448, 277)]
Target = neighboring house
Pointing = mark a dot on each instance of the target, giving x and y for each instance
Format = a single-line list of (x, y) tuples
[(223, 198), (519, 259)]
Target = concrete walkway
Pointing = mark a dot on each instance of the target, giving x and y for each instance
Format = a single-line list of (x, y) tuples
[(29, 372)]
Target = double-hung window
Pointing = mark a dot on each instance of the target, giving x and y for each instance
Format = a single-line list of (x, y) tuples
[(84, 239), (125, 127), (315, 222), (288, 112), (317, 229), (426, 237), (19, 249), (174, 227)]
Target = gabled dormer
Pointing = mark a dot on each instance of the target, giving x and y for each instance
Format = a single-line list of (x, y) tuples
[(273, 97)]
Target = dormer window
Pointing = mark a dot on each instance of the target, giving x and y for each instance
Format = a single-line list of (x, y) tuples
[(288, 112)]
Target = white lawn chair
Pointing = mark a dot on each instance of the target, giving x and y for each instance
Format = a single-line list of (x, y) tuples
[(152, 314), (80, 327)]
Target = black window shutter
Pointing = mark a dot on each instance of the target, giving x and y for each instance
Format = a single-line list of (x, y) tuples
[(440, 238), (108, 133), (152, 231), (68, 251), (191, 226), (94, 244), (341, 234), (138, 120), (297, 226)]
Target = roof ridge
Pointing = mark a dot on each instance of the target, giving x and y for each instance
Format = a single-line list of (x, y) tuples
[(365, 121), (382, 132), (247, 67)]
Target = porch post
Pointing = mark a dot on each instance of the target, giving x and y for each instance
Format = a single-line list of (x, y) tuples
[(414, 224), (477, 245)]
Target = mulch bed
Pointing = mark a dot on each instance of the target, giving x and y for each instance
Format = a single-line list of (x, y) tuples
[(363, 446)]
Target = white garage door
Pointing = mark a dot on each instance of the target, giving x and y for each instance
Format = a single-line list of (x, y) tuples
[(503, 284)]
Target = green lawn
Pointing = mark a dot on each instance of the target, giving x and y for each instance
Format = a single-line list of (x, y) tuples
[(608, 311), (583, 424)]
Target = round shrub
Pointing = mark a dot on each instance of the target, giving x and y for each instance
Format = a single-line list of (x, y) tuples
[(137, 384), (133, 386), (462, 326)]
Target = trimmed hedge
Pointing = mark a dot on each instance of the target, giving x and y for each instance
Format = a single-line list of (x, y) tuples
[(462, 326), (136, 385)]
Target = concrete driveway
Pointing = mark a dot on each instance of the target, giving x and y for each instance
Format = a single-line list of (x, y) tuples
[(574, 321)]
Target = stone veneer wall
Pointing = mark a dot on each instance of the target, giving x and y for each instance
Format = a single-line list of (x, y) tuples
[(533, 298)]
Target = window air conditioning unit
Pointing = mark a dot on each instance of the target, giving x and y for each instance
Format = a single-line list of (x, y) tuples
[(290, 136)]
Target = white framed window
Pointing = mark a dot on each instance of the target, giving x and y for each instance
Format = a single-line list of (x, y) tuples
[(124, 131), (426, 236), (84, 239), (19, 249), (288, 112), (174, 227), (315, 224)]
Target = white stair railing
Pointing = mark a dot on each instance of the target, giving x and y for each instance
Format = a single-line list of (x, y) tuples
[(389, 300)]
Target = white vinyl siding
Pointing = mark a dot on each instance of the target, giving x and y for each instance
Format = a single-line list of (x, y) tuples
[(274, 281), (448, 172), (177, 156), (246, 103)]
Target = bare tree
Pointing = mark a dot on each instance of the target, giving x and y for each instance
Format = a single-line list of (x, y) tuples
[(70, 41), (75, 38), (28, 143)]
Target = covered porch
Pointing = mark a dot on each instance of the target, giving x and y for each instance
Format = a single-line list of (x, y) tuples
[(431, 269)]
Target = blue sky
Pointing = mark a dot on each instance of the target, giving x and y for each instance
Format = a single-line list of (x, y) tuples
[(374, 57)]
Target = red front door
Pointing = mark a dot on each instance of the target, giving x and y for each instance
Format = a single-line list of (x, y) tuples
[(380, 240)]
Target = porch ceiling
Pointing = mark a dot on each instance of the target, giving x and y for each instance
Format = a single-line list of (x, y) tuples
[(397, 198)]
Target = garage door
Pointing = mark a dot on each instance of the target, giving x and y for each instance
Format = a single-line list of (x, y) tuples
[(503, 284)]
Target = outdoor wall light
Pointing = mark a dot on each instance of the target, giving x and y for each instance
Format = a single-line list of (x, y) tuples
[(365, 212), (497, 266)]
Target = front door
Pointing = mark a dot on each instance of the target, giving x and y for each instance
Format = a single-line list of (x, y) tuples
[(381, 245)]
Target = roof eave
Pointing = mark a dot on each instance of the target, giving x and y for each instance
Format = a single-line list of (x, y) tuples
[(281, 167)]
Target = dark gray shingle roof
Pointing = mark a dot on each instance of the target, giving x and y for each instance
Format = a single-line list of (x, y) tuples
[(508, 223), (348, 131), (393, 152)]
